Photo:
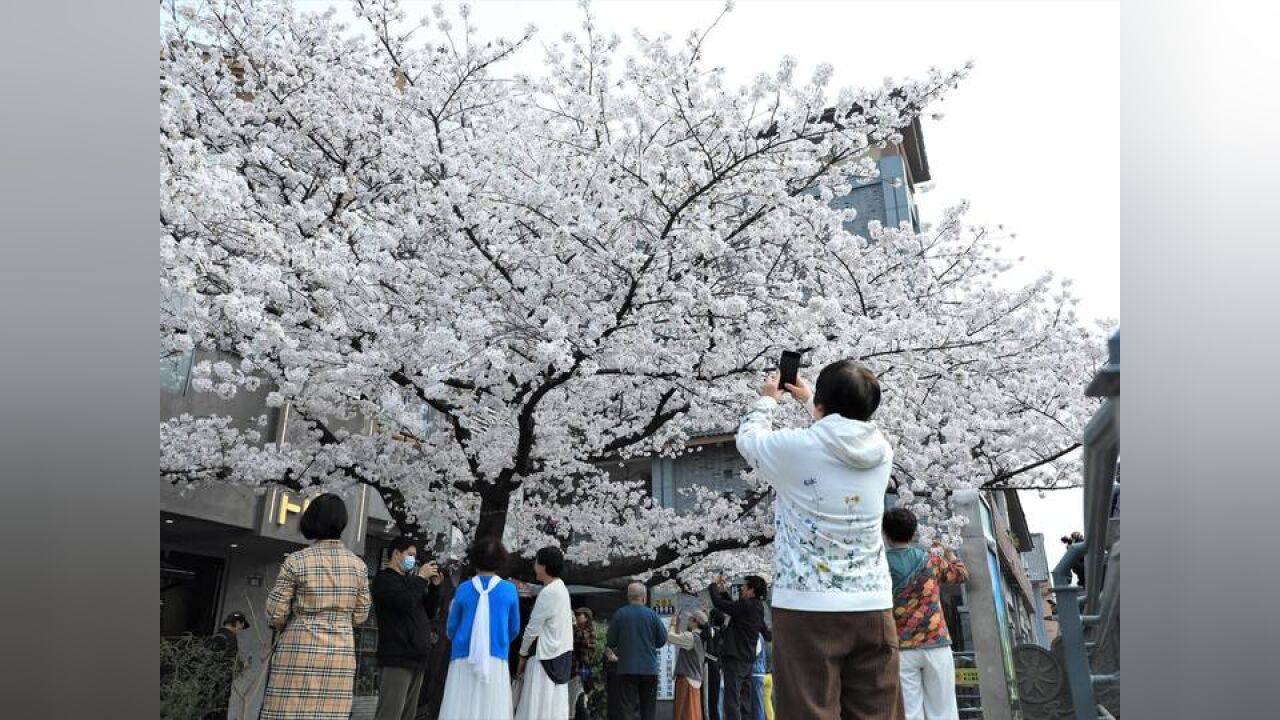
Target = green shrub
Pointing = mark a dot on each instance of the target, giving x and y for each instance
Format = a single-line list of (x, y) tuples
[(597, 701), (194, 677)]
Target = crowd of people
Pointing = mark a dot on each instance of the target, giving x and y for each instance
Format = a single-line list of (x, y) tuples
[(854, 619)]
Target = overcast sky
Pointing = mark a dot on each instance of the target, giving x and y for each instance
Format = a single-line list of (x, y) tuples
[(1031, 139)]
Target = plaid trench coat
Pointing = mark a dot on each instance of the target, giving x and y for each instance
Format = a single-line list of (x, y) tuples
[(321, 592)]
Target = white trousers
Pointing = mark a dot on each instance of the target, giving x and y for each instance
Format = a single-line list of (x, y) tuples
[(929, 684)]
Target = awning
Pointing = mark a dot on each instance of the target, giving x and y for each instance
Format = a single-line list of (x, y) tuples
[(589, 590)]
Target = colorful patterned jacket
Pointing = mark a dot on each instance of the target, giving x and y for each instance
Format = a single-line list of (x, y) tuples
[(917, 601)]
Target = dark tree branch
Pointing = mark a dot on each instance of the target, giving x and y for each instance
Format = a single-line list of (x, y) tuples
[(1002, 477)]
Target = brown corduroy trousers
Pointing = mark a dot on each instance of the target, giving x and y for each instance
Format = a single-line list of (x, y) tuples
[(829, 665)]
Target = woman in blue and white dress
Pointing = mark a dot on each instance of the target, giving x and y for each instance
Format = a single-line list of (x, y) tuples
[(484, 620)]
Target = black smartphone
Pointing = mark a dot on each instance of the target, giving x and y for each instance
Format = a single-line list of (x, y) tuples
[(788, 369)]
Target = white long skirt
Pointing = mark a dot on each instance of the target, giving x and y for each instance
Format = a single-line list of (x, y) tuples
[(541, 699), (468, 697)]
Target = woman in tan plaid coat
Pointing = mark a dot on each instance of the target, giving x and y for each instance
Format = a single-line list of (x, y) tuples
[(321, 593)]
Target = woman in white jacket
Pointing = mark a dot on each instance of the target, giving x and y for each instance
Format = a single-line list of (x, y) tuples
[(551, 629)]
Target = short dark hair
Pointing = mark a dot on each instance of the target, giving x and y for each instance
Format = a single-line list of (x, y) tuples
[(487, 555), (552, 560), (236, 618), (849, 389), (758, 586), (402, 543), (900, 524), (324, 519)]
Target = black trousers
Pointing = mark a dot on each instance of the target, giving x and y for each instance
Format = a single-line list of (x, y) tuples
[(639, 696), (612, 692), (739, 693), (712, 681)]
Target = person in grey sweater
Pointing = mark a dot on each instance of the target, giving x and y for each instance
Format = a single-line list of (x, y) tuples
[(690, 662)]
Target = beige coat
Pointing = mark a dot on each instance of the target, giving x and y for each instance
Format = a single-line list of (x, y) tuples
[(322, 592)]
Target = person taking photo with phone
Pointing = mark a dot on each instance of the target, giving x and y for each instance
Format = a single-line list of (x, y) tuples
[(741, 642), (835, 644), (406, 595)]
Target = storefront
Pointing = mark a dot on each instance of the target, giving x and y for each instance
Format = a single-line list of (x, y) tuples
[(221, 548)]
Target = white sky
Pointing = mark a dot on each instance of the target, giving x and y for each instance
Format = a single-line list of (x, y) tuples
[(1031, 139)]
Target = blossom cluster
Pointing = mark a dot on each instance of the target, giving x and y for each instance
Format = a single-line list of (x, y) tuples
[(522, 278)]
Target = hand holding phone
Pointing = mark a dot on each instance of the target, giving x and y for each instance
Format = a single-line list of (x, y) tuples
[(788, 369)]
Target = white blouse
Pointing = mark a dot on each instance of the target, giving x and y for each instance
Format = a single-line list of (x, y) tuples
[(551, 623)]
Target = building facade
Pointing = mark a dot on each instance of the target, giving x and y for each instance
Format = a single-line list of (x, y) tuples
[(1036, 563), (221, 545)]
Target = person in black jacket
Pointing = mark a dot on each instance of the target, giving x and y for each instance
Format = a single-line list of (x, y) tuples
[(738, 654), (713, 640), (405, 596)]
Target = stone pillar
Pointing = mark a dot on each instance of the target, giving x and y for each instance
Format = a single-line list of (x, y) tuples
[(983, 617)]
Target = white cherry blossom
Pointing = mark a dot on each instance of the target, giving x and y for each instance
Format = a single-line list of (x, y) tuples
[(526, 279)]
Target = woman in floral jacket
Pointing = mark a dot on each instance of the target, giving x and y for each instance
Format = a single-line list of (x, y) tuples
[(927, 668)]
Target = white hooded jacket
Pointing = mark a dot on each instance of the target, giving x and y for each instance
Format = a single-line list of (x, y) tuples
[(830, 480)]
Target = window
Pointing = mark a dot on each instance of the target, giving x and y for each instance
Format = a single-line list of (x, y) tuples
[(717, 467), (175, 371)]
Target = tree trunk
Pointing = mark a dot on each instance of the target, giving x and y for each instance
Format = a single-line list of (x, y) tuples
[(494, 505)]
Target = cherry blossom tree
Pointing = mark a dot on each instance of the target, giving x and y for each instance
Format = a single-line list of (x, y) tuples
[(524, 280)]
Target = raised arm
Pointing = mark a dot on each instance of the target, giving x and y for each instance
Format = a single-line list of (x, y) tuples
[(732, 608), (682, 640), (951, 569), (755, 432), (764, 448)]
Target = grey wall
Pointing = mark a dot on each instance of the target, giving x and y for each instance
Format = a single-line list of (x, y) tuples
[(717, 466), (177, 397), (255, 643)]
